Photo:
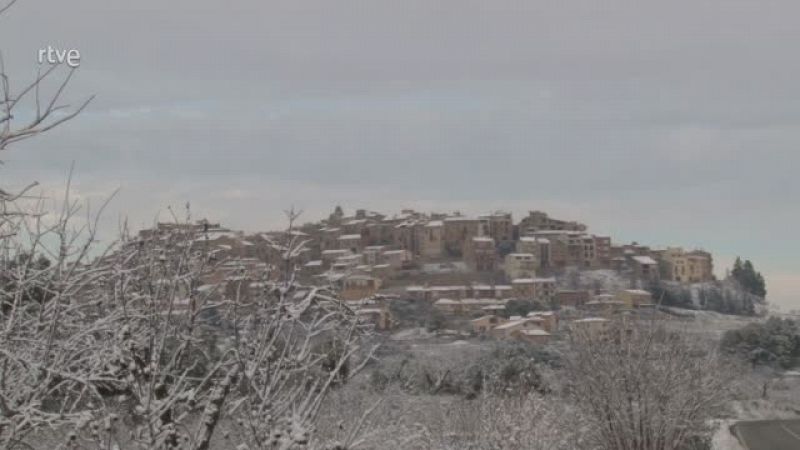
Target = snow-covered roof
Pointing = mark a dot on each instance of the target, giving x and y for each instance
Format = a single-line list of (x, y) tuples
[(459, 219), (446, 301), (559, 232), (218, 235), (513, 323), (645, 260), (535, 332), (435, 223), (481, 301), (482, 239), (636, 292), (604, 302), (488, 316), (358, 277), (544, 280), (335, 251), (494, 307), (349, 237), (447, 288)]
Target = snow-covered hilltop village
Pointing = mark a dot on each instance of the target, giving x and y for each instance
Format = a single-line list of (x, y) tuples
[(487, 275)]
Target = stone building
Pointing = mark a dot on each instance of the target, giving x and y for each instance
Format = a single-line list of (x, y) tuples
[(356, 287), (431, 239), (481, 254), (350, 242), (329, 238), (602, 248), (687, 267), (635, 298), (458, 232), (541, 289), (516, 326), (405, 236), (539, 247), (486, 323), (396, 259), (572, 298), (499, 226), (539, 221), (520, 265), (645, 269)]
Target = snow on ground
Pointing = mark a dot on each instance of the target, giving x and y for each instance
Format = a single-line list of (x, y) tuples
[(723, 439), (606, 280), (707, 323), (412, 334)]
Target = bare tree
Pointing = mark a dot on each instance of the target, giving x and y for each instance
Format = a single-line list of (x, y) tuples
[(137, 340), (48, 111), (642, 386), (495, 421), (133, 345)]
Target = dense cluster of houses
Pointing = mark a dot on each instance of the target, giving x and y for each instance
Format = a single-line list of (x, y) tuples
[(527, 254), (581, 309), (464, 266)]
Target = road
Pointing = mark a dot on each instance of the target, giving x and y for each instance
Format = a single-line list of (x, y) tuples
[(768, 434)]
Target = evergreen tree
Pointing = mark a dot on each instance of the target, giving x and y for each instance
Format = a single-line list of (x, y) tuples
[(774, 342), (336, 216), (747, 276), (738, 269)]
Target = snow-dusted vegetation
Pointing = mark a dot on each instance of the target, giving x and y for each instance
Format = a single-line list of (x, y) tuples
[(126, 347), (726, 296), (137, 343), (129, 346)]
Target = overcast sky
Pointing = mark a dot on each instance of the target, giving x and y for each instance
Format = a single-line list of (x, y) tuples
[(674, 122)]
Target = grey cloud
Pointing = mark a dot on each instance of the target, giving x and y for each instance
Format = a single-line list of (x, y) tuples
[(674, 122)]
